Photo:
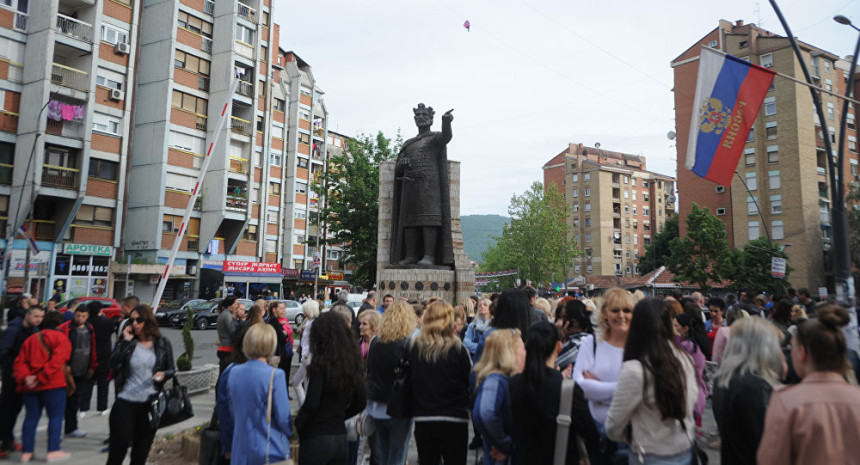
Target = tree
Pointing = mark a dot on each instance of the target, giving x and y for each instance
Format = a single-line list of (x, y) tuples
[(853, 213), (351, 210), (703, 255), (750, 267), (536, 241), (656, 253)]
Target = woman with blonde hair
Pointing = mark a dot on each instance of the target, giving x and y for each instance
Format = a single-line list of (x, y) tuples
[(475, 331), (368, 323), (390, 443), (544, 305), (598, 366), (751, 367), (299, 381), (504, 356), (439, 370)]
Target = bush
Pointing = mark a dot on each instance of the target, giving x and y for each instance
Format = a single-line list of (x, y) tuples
[(183, 363)]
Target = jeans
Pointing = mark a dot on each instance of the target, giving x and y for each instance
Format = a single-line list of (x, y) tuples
[(84, 386), (684, 458), (10, 407), (608, 457), (128, 424), (54, 402), (392, 440), (322, 450), (441, 440)]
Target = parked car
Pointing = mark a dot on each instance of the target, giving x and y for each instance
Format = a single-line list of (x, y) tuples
[(205, 314), (110, 307), (166, 311)]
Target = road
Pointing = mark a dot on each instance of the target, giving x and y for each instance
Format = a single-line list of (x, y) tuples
[(204, 344)]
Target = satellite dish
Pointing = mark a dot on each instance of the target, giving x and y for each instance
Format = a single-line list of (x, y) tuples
[(670, 199), (597, 145), (671, 135)]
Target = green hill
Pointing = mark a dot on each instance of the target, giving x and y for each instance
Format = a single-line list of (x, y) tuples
[(477, 230)]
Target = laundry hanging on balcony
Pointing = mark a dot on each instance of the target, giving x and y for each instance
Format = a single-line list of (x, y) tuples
[(59, 111)]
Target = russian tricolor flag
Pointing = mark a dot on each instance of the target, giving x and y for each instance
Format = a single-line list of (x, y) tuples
[(729, 93)]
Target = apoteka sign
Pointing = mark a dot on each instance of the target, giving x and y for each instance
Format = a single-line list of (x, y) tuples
[(88, 249)]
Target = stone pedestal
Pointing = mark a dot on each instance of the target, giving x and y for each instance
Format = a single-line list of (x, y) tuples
[(421, 283)]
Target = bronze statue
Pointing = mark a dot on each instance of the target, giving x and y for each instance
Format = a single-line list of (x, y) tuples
[(421, 209)]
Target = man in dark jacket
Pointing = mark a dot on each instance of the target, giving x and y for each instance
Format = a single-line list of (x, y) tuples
[(104, 330), (19, 329), (83, 365)]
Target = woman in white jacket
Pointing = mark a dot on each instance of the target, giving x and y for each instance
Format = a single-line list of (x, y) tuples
[(656, 391)]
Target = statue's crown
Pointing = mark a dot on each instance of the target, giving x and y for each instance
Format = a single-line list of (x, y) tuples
[(423, 110)]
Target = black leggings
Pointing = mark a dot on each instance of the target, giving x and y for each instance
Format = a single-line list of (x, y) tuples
[(322, 450), (438, 440), (128, 424)]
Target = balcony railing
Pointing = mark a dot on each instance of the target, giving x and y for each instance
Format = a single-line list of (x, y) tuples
[(70, 77), (238, 165), (20, 22), (193, 244), (241, 126), (5, 174), (245, 50), (200, 123), (206, 45), (43, 230), (60, 176), (247, 12), (70, 129), (246, 89), (209, 7), (74, 28), (236, 202)]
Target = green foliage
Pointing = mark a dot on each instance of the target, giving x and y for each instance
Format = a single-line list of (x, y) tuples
[(536, 241), (351, 187), (656, 253), (703, 255), (852, 202), (183, 362), (478, 232), (750, 267)]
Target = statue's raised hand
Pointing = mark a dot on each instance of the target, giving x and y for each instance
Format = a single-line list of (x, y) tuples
[(448, 117)]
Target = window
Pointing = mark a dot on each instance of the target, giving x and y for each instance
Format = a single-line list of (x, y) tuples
[(274, 159), (304, 138), (271, 246), (272, 217), (634, 196), (191, 63), (187, 142), (627, 209), (280, 105), (770, 106), (646, 241), (261, 89), (588, 239), (301, 187), (713, 44), (190, 103), (576, 222), (627, 238), (179, 182), (721, 211), (752, 208), (576, 193), (749, 156), (103, 169), (113, 34), (752, 226), (588, 269), (194, 24), (644, 183), (773, 154), (767, 60), (265, 19), (832, 134), (626, 194), (106, 124), (275, 188), (744, 44), (828, 85), (830, 111), (588, 192), (852, 144), (720, 189), (827, 65), (588, 207), (854, 170), (770, 130), (634, 209), (576, 268), (110, 79), (243, 34), (776, 230), (575, 178), (776, 204), (576, 208), (773, 179), (626, 179), (587, 177), (250, 233), (646, 211), (588, 222), (261, 123), (751, 135), (646, 226), (633, 182), (635, 242), (303, 162), (752, 183), (851, 124), (98, 216)]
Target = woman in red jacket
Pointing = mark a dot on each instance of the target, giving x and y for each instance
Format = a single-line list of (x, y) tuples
[(41, 381)]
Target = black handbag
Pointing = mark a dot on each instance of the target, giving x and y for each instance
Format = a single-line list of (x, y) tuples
[(169, 406), (400, 402), (210, 443)]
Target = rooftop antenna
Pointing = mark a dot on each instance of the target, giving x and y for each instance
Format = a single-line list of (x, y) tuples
[(757, 12)]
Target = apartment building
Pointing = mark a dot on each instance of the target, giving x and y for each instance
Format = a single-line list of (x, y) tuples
[(782, 189), (66, 81), (615, 206)]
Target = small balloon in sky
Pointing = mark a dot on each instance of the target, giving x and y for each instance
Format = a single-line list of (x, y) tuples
[(468, 26)]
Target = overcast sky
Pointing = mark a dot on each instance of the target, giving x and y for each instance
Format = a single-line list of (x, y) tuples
[(529, 78)]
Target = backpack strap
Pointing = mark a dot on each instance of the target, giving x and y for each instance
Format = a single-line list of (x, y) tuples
[(563, 420)]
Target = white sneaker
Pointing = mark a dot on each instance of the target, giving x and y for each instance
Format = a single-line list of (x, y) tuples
[(78, 433), (82, 414), (104, 412)]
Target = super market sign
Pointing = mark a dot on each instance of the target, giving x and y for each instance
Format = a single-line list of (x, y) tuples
[(86, 249)]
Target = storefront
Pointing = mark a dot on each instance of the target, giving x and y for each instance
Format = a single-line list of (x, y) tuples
[(82, 270), (250, 280)]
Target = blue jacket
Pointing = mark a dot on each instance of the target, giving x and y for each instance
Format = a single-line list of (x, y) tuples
[(492, 416), (10, 344), (246, 393), (474, 335)]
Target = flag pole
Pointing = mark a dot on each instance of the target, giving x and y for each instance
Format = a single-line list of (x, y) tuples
[(191, 200)]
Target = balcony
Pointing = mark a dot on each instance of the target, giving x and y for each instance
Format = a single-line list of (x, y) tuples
[(70, 129), (237, 202), (241, 126), (72, 78), (5, 174), (245, 50), (20, 22), (60, 176), (206, 44), (193, 243), (247, 12), (74, 28), (200, 122), (246, 89), (238, 165), (209, 7)]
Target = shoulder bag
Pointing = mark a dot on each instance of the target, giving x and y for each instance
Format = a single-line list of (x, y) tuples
[(169, 406), (563, 420), (287, 461), (700, 457), (400, 402)]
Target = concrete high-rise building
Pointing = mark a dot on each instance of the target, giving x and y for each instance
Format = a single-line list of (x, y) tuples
[(67, 83), (784, 163), (615, 206)]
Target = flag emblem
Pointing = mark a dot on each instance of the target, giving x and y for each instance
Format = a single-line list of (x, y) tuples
[(715, 117)]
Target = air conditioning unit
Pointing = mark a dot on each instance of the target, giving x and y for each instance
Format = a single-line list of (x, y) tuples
[(122, 48), (116, 94)]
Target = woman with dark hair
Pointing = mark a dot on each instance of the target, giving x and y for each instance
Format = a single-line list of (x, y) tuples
[(820, 415), (535, 397), (512, 311), (683, 329), (573, 321), (335, 392), (733, 315), (228, 326), (277, 318), (656, 391), (141, 362), (698, 332)]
